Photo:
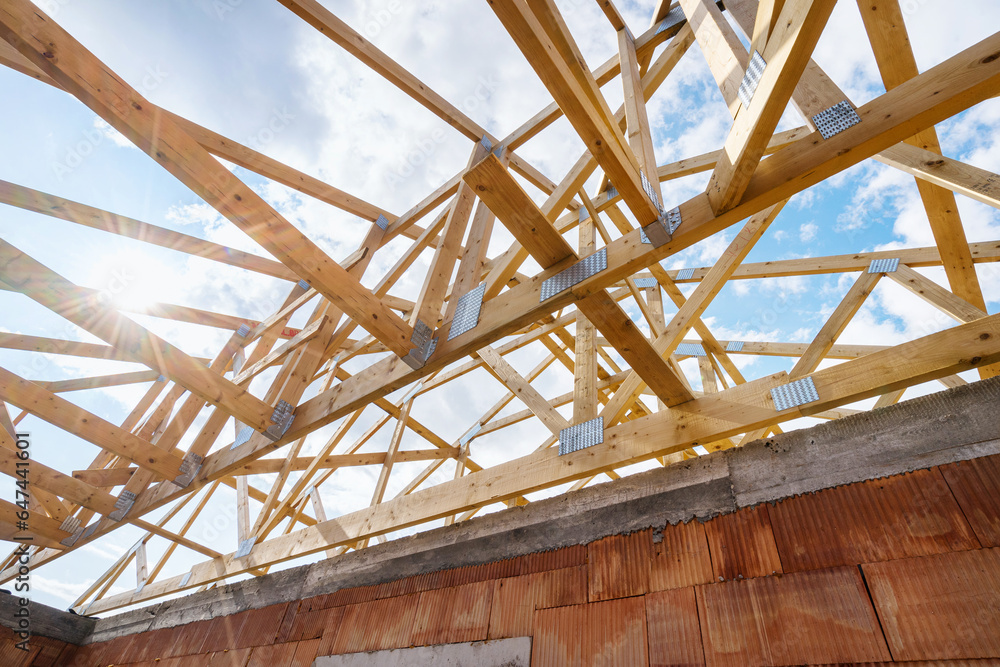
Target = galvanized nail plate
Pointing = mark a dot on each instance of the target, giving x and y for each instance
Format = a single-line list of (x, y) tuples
[(836, 119), (795, 393), (585, 268), (751, 79), (467, 311), (884, 265), (580, 436)]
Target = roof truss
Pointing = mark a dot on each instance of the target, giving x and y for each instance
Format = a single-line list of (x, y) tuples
[(625, 373)]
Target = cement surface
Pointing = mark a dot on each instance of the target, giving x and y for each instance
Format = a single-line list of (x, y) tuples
[(957, 424), (514, 652)]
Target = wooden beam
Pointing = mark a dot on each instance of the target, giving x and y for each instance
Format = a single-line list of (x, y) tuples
[(523, 390), (912, 257), (768, 14), (788, 50), (431, 299), (63, 414), (529, 226), (238, 154), (547, 46), (473, 262), (835, 324), (939, 93), (585, 397), (390, 455), (117, 380), (692, 309), (965, 179), (79, 72), (53, 481), (257, 162), (309, 333), (614, 16), (51, 290), (931, 292), (262, 466), (316, 15), (169, 311), (95, 218), (644, 44), (105, 476), (506, 266), (174, 537), (726, 55), (640, 138), (887, 33)]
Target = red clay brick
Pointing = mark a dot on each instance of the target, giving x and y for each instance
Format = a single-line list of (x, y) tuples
[(673, 629), (742, 544)]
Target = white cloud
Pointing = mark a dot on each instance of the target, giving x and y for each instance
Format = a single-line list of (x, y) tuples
[(808, 232)]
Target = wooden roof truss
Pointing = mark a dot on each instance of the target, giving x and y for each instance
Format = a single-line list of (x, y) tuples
[(573, 308)]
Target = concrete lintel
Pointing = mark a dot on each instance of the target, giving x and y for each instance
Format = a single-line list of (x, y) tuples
[(515, 652)]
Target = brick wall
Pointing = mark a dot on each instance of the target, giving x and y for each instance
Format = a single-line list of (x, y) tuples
[(904, 568)]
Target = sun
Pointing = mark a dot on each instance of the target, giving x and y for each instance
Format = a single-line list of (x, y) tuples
[(128, 281)]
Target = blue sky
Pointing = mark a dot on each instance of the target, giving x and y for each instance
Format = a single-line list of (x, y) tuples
[(252, 71)]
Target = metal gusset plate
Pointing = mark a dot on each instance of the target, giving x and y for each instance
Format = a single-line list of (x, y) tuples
[(467, 311), (884, 265), (242, 437), (690, 350), (246, 546), (645, 282), (585, 268), (793, 394), (382, 222), (734, 346), (836, 119), (651, 192), (580, 436), (673, 18), (685, 274), (751, 79), (70, 524), (470, 434), (243, 330)]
